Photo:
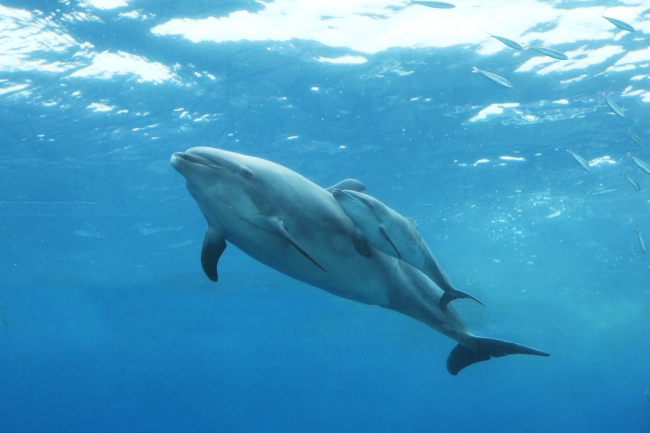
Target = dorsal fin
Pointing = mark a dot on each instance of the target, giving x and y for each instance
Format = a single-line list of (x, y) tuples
[(213, 245), (350, 184), (450, 295)]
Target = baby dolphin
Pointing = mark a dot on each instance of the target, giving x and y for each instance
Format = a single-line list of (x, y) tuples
[(395, 235)]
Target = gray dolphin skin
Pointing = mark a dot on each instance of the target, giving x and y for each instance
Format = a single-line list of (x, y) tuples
[(395, 235), (290, 224)]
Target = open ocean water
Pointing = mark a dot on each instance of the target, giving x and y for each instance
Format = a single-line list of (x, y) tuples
[(107, 321)]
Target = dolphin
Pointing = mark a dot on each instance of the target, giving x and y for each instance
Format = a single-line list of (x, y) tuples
[(289, 223), (395, 235)]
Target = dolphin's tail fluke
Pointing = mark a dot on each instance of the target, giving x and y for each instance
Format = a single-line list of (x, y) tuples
[(482, 349)]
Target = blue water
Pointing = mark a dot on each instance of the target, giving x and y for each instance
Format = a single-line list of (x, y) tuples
[(107, 322)]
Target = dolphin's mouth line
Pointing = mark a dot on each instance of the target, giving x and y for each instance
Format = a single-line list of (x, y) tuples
[(197, 160)]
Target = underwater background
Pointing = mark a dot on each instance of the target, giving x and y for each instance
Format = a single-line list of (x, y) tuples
[(107, 322)]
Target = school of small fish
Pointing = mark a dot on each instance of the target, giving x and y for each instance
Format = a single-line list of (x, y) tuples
[(613, 106)]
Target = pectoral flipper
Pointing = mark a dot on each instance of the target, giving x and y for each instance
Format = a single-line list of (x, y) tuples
[(214, 244), (276, 227)]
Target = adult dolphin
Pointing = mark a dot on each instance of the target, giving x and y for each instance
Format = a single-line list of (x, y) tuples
[(395, 235), (285, 221)]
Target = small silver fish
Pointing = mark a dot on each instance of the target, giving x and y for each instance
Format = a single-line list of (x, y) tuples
[(583, 162), (494, 77), (635, 138), (435, 5), (633, 182), (642, 164), (615, 108), (550, 52), (508, 42), (620, 24), (642, 243)]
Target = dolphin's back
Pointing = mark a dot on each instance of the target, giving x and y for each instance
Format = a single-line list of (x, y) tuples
[(397, 236)]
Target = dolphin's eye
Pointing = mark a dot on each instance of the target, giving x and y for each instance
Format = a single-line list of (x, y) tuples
[(248, 173)]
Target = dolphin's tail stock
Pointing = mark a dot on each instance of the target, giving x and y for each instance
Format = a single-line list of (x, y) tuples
[(483, 349)]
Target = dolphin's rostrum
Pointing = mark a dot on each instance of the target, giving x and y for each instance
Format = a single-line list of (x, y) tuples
[(285, 221)]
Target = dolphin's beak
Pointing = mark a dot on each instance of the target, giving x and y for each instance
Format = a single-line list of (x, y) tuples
[(177, 161), (192, 159)]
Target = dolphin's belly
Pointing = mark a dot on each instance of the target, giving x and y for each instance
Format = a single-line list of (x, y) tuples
[(377, 280), (347, 274)]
